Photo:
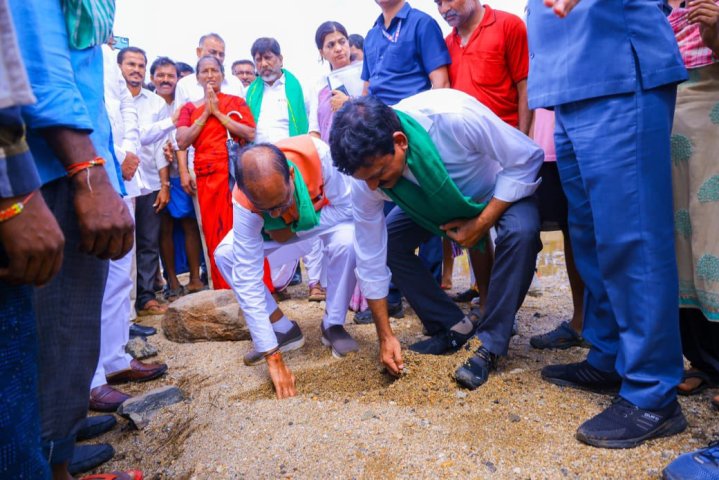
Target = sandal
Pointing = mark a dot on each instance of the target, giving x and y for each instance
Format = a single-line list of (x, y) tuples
[(152, 307), (172, 294), (475, 315), (129, 475), (715, 402), (317, 293), (706, 382)]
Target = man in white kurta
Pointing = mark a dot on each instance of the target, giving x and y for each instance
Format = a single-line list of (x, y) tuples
[(240, 257)]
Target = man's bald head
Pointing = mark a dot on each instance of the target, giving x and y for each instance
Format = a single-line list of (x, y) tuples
[(263, 174)]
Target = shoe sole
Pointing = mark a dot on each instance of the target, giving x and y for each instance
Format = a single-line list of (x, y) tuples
[(288, 347), (566, 383), (335, 353), (667, 429), (467, 379), (316, 299)]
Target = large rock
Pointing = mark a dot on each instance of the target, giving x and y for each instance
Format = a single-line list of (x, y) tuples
[(212, 315), (140, 409)]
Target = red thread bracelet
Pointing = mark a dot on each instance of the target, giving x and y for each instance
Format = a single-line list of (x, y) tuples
[(76, 168), (15, 209)]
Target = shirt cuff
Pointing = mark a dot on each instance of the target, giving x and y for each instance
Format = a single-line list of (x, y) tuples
[(376, 289), (128, 146), (18, 174), (166, 124), (510, 190)]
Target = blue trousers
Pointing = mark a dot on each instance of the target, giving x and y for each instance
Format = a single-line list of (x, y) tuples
[(614, 163), (516, 251)]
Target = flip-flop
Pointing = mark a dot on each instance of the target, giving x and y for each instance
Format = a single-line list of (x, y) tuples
[(152, 307), (129, 475), (706, 382)]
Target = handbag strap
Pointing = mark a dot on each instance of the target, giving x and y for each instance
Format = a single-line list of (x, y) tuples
[(229, 136)]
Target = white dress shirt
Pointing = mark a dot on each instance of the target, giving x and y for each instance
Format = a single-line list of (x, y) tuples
[(122, 114), (155, 129), (274, 122), (189, 90), (249, 248), (484, 156)]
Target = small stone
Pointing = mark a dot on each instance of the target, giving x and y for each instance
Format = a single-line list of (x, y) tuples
[(517, 470), (514, 418), (368, 415), (460, 394), (140, 409), (564, 471), (490, 466), (140, 348)]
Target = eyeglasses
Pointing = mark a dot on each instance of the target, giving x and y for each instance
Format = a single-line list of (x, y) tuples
[(287, 203)]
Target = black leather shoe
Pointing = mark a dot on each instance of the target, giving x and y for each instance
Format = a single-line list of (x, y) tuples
[(446, 342), (475, 371), (394, 310), (141, 330), (582, 376), (92, 427), (89, 457)]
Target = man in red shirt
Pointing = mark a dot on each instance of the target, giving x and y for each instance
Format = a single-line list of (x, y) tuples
[(490, 58)]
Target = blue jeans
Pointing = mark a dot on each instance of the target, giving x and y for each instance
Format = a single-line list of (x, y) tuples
[(614, 161), (19, 410)]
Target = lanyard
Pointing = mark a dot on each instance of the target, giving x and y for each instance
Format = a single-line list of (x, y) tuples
[(395, 36)]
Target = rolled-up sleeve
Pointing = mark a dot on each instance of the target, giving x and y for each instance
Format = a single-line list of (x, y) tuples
[(247, 276), (518, 155), (370, 241), (44, 45)]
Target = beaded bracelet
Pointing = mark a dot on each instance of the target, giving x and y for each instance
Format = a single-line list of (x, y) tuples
[(76, 168), (199, 123), (15, 209)]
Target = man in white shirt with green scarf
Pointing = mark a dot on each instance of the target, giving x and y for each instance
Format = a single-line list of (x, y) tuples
[(453, 168)]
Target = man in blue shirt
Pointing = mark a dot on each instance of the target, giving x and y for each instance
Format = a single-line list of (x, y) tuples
[(404, 54), (69, 135), (609, 70)]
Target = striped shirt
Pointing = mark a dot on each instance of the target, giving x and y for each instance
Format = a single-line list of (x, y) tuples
[(694, 53), (89, 22)]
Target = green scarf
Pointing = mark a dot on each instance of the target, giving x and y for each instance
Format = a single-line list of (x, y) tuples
[(308, 217), (89, 22), (295, 102), (436, 200)]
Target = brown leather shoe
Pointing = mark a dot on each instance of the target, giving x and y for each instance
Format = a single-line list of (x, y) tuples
[(138, 372), (106, 399)]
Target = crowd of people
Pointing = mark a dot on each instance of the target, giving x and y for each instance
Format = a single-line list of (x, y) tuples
[(592, 118)]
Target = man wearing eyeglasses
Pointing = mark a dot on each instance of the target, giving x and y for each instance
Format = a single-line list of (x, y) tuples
[(288, 195)]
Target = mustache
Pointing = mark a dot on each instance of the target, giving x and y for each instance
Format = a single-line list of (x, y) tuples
[(165, 84)]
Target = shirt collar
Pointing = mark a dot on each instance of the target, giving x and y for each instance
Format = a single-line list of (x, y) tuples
[(403, 12), (488, 19), (279, 81)]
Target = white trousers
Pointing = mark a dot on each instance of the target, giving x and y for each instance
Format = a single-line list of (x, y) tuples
[(115, 317), (314, 263), (338, 255)]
